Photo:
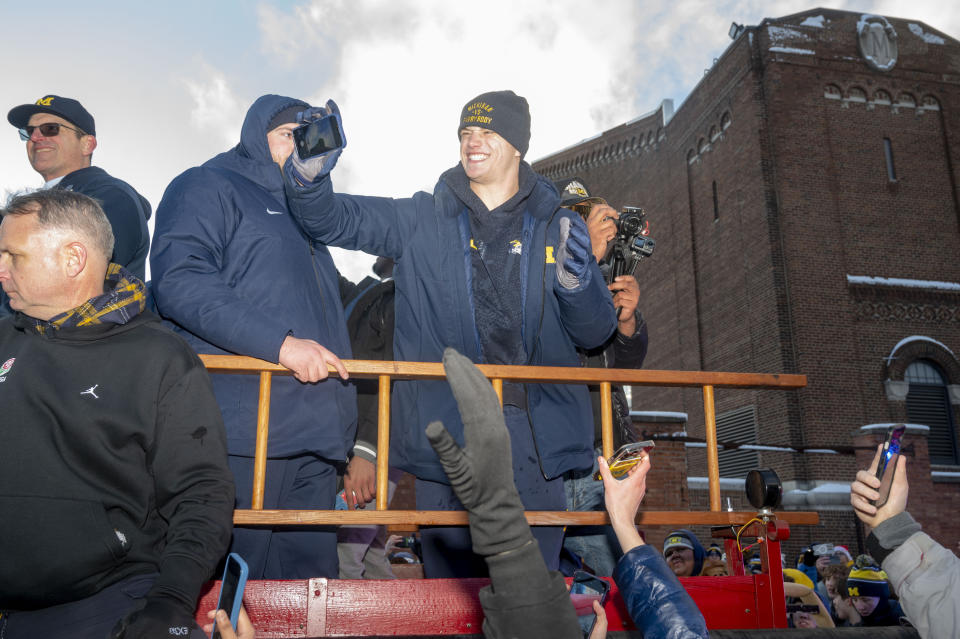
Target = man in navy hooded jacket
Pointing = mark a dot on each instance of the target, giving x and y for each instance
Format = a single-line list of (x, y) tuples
[(234, 273), (490, 265)]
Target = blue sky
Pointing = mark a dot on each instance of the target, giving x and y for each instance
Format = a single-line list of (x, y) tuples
[(169, 82)]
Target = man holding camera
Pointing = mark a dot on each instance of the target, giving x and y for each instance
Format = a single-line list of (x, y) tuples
[(490, 265), (235, 275), (597, 546)]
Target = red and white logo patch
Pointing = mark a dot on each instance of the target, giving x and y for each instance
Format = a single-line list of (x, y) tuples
[(7, 365)]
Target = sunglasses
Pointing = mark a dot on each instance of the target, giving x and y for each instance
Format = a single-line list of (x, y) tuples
[(48, 130)]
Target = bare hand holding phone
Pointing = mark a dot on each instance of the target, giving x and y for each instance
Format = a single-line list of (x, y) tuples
[(865, 491)]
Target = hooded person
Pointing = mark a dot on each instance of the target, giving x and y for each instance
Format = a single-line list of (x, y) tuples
[(488, 264), (234, 275), (870, 595), (684, 553)]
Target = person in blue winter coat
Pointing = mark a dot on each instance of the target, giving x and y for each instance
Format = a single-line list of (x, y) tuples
[(658, 604), (235, 275), (491, 265)]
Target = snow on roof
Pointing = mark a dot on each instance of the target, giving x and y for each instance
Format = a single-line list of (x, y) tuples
[(774, 448), (830, 487), (867, 16), (658, 413), (915, 427), (778, 34), (917, 338), (907, 283), (944, 473), (792, 50), (929, 38), (813, 21), (727, 483)]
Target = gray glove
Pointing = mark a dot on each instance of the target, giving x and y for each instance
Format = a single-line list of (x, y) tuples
[(481, 473), (306, 171), (574, 252)]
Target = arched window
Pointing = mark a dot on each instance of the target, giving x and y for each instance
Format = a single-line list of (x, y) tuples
[(928, 403), (857, 95)]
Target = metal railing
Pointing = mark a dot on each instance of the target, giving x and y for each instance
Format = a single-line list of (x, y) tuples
[(385, 372)]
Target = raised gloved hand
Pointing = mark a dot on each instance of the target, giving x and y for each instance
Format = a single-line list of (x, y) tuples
[(305, 171), (574, 254), (157, 617), (481, 473)]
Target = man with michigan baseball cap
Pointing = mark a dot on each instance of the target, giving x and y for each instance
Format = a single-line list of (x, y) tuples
[(60, 136)]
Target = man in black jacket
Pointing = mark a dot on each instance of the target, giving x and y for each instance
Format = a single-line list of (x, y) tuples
[(115, 495), (368, 307), (60, 137), (597, 546)]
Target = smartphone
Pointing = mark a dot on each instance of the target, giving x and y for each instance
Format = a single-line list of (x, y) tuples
[(626, 457), (231, 590), (889, 455), (808, 608), (319, 136), (585, 589)]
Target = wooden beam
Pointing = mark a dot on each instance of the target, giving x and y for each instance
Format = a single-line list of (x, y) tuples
[(260, 449), (528, 374), (606, 419), (713, 461), (383, 442), (536, 518)]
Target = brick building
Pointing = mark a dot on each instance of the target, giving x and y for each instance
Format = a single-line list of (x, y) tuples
[(804, 201)]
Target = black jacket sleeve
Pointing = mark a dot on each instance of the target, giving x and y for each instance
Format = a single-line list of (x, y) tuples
[(629, 352), (194, 487), (370, 326)]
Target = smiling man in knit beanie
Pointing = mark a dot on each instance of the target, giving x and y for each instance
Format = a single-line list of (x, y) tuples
[(488, 264)]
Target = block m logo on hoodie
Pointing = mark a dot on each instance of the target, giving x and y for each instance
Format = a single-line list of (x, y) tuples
[(7, 365)]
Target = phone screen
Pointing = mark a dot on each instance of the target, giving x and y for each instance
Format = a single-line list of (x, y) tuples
[(584, 590), (889, 455), (626, 457), (231, 590), (318, 137)]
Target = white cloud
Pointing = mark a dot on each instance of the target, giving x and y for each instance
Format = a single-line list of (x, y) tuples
[(401, 70), (216, 106)]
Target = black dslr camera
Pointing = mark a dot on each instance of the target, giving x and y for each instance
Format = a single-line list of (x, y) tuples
[(631, 244), (632, 241)]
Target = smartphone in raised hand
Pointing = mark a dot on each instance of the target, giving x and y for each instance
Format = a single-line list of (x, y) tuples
[(318, 136), (626, 457), (889, 455), (231, 590), (585, 589)]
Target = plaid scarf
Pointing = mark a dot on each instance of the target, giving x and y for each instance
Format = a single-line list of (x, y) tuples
[(124, 299)]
